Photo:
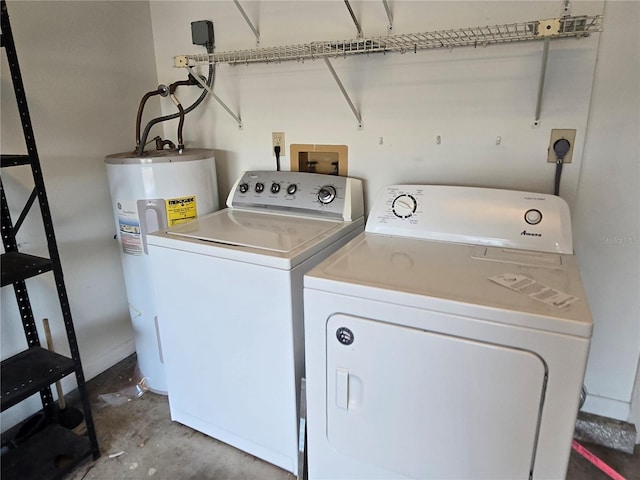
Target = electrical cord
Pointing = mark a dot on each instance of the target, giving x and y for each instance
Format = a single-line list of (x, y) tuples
[(561, 147), (276, 151)]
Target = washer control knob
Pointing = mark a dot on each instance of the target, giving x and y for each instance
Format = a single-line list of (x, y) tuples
[(275, 188), (291, 189), (259, 187), (244, 187), (404, 206), (533, 216), (326, 194)]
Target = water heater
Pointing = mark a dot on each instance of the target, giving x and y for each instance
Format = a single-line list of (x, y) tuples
[(150, 192)]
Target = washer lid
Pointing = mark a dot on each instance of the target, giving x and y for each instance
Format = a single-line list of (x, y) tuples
[(458, 278), (262, 231), (274, 240)]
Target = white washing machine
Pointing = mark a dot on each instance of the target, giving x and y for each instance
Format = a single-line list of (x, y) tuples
[(229, 294), (447, 341)]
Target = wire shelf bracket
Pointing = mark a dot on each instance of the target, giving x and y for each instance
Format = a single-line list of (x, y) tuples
[(355, 111), (354, 18), (255, 31), (543, 71), (389, 16), (215, 97), (546, 30)]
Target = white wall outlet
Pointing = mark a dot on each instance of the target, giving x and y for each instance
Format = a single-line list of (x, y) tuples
[(557, 134), (277, 139)]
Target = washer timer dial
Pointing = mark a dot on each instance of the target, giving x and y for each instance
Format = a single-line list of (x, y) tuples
[(404, 206), (326, 194)]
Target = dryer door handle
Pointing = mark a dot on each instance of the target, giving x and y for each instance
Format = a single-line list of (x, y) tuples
[(342, 388)]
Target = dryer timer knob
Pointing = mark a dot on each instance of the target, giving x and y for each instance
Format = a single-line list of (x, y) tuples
[(404, 206)]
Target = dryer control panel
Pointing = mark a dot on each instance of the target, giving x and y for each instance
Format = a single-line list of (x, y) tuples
[(298, 192), (477, 216)]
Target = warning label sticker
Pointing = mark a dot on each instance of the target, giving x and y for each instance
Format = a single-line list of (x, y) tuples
[(536, 290), (129, 226), (180, 210)]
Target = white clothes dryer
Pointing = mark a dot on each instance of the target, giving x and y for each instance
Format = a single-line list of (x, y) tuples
[(229, 293), (447, 341)]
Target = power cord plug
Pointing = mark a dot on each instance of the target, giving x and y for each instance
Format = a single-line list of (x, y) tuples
[(276, 151), (561, 147)]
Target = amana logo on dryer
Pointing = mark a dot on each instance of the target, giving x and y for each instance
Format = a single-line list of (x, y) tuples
[(530, 234)]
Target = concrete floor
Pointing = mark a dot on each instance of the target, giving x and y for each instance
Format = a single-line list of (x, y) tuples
[(145, 444)]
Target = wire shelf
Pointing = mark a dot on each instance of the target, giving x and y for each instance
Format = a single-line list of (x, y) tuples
[(575, 26)]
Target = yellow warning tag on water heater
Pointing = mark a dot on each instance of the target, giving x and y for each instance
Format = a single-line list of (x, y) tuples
[(180, 210)]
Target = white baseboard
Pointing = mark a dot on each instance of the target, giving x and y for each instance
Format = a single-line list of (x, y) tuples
[(95, 366), (607, 407)]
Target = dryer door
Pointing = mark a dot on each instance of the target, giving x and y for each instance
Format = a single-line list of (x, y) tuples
[(428, 405)]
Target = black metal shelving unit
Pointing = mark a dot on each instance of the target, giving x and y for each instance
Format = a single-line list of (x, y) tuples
[(52, 451)]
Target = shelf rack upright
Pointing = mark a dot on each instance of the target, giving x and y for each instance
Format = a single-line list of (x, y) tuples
[(53, 450)]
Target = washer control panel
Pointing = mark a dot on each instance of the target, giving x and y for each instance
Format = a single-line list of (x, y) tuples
[(305, 193), (478, 216)]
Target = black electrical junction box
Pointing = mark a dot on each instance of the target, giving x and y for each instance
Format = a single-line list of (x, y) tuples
[(202, 33)]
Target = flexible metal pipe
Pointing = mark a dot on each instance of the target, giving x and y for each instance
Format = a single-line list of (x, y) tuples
[(161, 90), (143, 139)]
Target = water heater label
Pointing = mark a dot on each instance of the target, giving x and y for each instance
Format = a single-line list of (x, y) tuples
[(129, 226), (180, 210)]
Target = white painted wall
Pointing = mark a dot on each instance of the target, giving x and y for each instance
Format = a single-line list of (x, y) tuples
[(634, 415), (85, 66), (468, 97), (607, 215)]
